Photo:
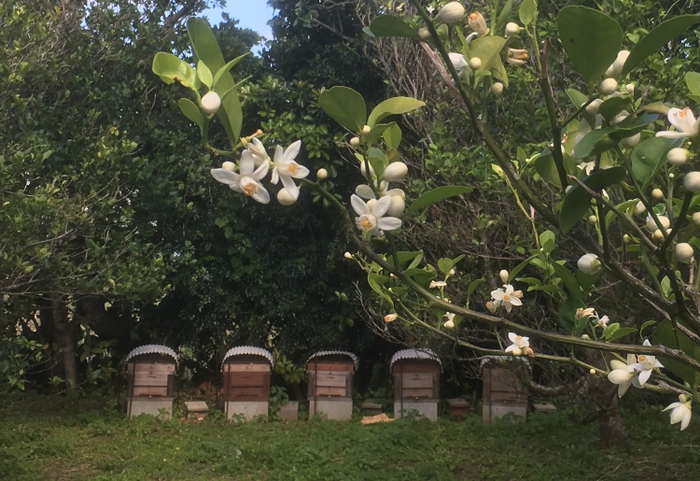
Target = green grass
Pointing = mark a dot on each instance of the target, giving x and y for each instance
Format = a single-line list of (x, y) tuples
[(55, 438)]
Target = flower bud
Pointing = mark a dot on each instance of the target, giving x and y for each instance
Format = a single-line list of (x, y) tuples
[(491, 306), (355, 141), (517, 351), (504, 276), (475, 63), (657, 235), (684, 252), (592, 219), (366, 129), (593, 107), (589, 264), (497, 88), (517, 56), (390, 318), (657, 194), (626, 239), (449, 324), (424, 33), (640, 208), (592, 372), (651, 225), (230, 166), (347, 255), (671, 176), (285, 198), (519, 294), (631, 141), (395, 171), (512, 28), (585, 337), (677, 156), (630, 89), (608, 86), (478, 23), (397, 206), (210, 102), (615, 69), (321, 174), (371, 203), (695, 218), (363, 169), (452, 12), (619, 376), (529, 352), (692, 181), (452, 272)]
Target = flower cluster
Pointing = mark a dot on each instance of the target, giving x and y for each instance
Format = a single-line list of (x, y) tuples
[(635, 372), (253, 166)]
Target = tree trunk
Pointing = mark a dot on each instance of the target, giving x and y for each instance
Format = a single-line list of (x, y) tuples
[(64, 338), (612, 431)]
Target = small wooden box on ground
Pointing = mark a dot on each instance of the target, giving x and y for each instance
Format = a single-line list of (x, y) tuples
[(150, 380), (247, 371), (504, 387), (330, 379), (197, 410), (416, 382)]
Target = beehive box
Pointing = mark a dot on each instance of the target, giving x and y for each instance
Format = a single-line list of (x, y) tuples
[(416, 382), (150, 380), (330, 379), (247, 372), (504, 388)]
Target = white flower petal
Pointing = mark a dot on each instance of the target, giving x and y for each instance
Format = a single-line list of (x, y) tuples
[(275, 177), (247, 164), (381, 206), (359, 205), (389, 223), (671, 134), (225, 176), (364, 191), (511, 335), (262, 195), (261, 171), (289, 184), (302, 172), (292, 151), (644, 377)]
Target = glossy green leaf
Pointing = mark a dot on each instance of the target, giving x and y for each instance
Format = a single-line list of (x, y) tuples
[(406, 256), (170, 68), (547, 167), (393, 106), (657, 38), (692, 80), (649, 156), (632, 125), (644, 326), (436, 195), (472, 287), (567, 313), (192, 112), (528, 11), (591, 38), (204, 74), (513, 273), (586, 281), (220, 73), (377, 131), (547, 240), (618, 333), (345, 106), (488, 49), (594, 142), (504, 15), (577, 201), (667, 336), (206, 49), (568, 278), (577, 98), (391, 26), (393, 136), (445, 265), (613, 106)]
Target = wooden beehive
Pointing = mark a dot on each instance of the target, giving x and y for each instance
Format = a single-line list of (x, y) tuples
[(416, 379), (331, 374), (150, 377), (504, 388), (247, 376)]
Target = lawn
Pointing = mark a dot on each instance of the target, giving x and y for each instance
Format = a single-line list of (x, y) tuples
[(56, 438)]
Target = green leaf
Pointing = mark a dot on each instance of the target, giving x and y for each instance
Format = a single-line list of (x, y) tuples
[(436, 195), (345, 106), (393, 136), (577, 98), (393, 106), (567, 313), (586, 281), (488, 49), (591, 38), (649, 156), (547, 167), (405, 256), (391, 26), (504, 15), (513, 273), (547, 239), (644, 326), (618, 333), (632, 125), (170, 68), (207, 50), (204, 74), (528, 11), (220, 73), (666, 335), (445, 265), (613, 106), (594, 142), (692, 80), (657, 38), (377, 132), (568, 279), (192, 112), (472, 287), (577, 201)]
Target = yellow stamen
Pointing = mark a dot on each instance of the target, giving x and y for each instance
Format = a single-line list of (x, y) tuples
[(293, 168), (642, 358), (506, 298), (250, 189)]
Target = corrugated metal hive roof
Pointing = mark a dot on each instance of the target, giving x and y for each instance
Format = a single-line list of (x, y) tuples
[(249, 350), (337, 353), (415, 354), (153, 349)]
